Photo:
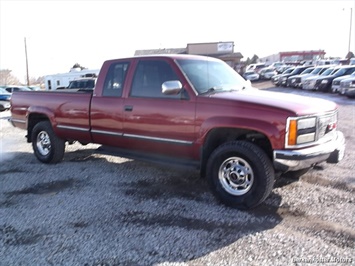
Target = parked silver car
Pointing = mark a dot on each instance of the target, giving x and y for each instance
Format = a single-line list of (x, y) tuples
[(336, 82), (310, 82), (251, 75), (347, 86)]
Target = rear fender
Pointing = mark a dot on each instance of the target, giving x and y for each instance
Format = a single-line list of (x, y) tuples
[(36, 114)]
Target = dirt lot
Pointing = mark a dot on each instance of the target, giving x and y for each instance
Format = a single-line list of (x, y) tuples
[(93, 209)]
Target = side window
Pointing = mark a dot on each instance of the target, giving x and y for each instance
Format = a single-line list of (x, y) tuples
[(115, 78), (149, 77)]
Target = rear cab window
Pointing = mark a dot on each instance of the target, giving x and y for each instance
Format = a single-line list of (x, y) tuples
[(115, 79)]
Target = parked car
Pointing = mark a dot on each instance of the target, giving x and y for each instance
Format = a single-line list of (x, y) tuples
[(309, 83), (81, 84), (34, 88), (298, 80), (251, 75), (267, 73), (347, 85), (277, 78), (4, 100), (283, 68), (12, 88), (336, 82), (295, 71), (256, 67), (350, 93), (278, 67), (4, 95), (324, 83), (293, 81)]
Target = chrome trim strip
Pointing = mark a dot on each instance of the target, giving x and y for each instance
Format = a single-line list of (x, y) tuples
[(72, 128), (119, 134), (158, 139), (17, 121)]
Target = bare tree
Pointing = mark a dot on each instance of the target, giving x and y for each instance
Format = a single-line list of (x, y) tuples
[(77, 65), (349, 55), (6, 78), (36, 81)]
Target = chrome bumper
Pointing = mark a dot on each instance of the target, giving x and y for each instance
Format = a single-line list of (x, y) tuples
[(292, 160)]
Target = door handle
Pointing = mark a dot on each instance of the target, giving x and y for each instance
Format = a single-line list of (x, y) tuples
[(128, 108)]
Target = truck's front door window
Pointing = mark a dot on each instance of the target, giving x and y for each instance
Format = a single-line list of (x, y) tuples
[(149, 77), (115, 78)]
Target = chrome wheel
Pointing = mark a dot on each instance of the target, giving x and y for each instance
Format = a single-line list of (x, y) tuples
[(43, 143), (236, 176)]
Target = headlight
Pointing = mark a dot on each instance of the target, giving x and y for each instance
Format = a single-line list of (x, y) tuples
[(352, 84), (301, 130), (324, 81), (284, 79)]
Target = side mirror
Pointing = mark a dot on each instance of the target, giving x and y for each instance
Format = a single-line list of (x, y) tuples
[(171, 87)]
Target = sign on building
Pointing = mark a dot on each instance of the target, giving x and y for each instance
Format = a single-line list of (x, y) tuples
[(225, 47)]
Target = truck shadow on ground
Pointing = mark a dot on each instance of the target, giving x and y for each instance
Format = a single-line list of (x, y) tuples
[(153, 214)]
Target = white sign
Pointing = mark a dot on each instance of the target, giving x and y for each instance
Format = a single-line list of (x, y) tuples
[(225, 47)]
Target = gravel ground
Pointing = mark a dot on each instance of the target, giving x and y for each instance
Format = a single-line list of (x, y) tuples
[(94, 209)]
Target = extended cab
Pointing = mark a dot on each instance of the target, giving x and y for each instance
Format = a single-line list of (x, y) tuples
[(188, 110)]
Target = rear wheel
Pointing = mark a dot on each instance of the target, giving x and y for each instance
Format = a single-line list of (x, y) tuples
[(47, 147), (240, 174)]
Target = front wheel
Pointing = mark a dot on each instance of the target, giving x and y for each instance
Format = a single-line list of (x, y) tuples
[(47, 147), (240, 174)]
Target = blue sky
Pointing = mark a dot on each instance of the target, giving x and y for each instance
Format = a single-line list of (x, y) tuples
[(61, 33)]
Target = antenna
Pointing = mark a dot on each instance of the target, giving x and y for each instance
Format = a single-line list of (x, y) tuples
[(28, 79)]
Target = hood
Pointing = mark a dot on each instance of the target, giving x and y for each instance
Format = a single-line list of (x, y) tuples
[(315, 77), (351, 78), (304, 76), (342, 78), (299, 105)]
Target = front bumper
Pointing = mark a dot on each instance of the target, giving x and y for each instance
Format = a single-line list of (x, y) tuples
[(292, 160), (350, 93)]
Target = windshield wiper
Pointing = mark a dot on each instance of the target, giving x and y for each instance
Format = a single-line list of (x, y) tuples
[(220, 89), (213, 89)]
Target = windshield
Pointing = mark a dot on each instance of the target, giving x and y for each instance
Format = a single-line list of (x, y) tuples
[(316, 70), (340, 71), (307, 70), (287, 71), (207, 76), (327, 72)]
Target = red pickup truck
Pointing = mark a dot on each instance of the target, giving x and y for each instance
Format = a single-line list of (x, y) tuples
[(188, 110)]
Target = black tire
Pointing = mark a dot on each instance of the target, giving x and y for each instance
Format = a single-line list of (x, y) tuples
[(240, 174), (47, 147)]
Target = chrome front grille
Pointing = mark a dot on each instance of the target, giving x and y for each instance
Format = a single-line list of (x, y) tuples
[(326, 126)]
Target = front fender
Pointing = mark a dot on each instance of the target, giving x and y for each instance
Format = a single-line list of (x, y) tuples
[(274, 131)]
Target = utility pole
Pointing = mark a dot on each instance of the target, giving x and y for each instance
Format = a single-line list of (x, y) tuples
[(28, 78), (351, 18)]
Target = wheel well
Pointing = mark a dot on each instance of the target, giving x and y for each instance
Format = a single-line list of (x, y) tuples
[(218, 136), (33, 120)]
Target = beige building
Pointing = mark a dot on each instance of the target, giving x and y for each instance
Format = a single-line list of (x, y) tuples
[(221, 50)]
